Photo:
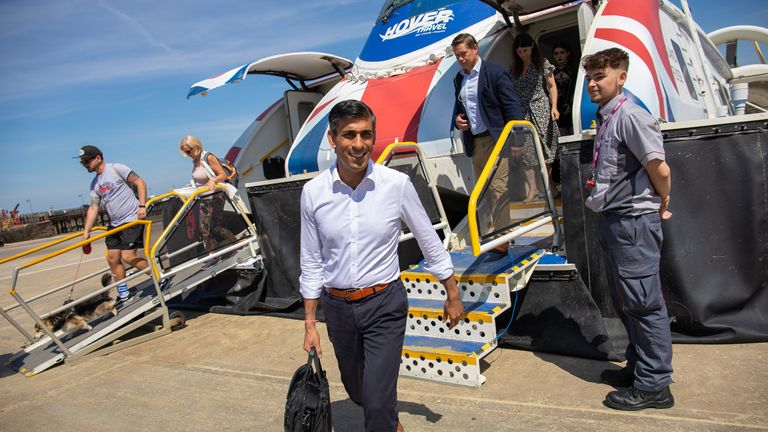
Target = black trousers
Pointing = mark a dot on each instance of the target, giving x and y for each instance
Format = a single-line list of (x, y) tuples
[(367, 337), (632, 246)]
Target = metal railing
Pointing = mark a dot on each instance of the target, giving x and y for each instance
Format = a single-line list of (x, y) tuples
[(16, 272), (191, 200), (49, 244), (25, 304), (406, 150), (504, 235), (150, 310)]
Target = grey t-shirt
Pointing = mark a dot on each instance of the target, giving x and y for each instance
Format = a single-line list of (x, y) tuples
[(631, 139), (115, 193)]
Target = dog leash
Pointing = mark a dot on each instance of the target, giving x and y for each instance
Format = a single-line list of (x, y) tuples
[(86, 250)]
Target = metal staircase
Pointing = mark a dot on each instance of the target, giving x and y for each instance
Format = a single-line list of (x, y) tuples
[(433, 351), (487, 279), (179, 262)]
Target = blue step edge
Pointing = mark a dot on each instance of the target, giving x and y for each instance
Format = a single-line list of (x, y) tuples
[(464, 263), (551, 258), (430, 343), (469, 306)]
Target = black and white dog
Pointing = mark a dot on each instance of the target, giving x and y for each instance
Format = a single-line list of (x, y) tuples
[(77, 318)]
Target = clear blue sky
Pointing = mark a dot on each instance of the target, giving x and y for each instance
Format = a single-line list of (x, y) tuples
[(115, 74)]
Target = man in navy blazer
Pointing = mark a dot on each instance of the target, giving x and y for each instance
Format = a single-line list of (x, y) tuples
[(485, 102)]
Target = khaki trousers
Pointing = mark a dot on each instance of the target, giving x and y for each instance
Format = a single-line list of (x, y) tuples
[(497, 197)]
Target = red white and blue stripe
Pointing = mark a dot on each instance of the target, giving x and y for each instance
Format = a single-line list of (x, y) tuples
[(416, 105), (232, 76), (635, 26)]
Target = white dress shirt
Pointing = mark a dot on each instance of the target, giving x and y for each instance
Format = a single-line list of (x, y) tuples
[(469, 96), (349, 237)]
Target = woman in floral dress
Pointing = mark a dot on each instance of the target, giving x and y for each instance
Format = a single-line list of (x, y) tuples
[(530, 73)]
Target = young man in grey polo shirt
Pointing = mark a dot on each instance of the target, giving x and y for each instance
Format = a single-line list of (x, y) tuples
[(630, 191)]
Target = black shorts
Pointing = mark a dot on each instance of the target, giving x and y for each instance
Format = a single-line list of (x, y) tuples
[(127, 239)]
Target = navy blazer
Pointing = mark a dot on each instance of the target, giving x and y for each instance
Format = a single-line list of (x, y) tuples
[(498, 101)]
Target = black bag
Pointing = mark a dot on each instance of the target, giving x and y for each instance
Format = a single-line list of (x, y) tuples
[(308, 408)]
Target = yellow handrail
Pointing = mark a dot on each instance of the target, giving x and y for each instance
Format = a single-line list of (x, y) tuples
[(172, 223), (89, 240), (413, 147), (391, 147), (80, 233), (49, 244), (163, 196), (759, 51), (474, 232)]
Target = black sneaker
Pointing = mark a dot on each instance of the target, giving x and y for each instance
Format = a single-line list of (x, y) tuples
[(633, 399), (623, 377), (122, 301)]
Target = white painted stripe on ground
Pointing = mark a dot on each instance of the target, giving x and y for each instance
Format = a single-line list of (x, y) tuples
[(57, 267)]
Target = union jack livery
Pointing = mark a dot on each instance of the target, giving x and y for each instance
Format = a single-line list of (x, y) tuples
[(405, 71)]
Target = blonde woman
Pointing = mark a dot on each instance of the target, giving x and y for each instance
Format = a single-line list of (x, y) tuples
[(206, 173)]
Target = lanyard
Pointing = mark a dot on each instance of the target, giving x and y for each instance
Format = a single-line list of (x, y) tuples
[(601, 131)]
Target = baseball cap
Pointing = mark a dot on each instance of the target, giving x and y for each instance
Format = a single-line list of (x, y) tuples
[(88, 152)]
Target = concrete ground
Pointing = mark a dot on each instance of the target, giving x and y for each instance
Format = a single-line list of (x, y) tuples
[(231, 373)]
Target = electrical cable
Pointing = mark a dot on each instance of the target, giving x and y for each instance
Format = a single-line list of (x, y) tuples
[(511, 318)]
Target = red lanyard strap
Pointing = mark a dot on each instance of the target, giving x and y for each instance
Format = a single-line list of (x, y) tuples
[(601, 131)]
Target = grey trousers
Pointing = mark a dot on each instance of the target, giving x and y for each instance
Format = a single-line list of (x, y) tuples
[(367, 337), (632, 250)]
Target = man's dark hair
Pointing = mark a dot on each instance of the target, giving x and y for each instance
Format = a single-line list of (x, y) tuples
[(615, 58), (466, 39), (349, 110)]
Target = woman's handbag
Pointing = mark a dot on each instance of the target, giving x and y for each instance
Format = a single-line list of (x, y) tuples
[(308, 408)]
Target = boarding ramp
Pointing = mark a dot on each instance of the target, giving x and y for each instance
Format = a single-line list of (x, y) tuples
[(488, 279), (197, 234)]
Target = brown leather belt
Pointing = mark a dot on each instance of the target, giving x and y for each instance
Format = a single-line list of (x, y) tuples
[(356, 294)]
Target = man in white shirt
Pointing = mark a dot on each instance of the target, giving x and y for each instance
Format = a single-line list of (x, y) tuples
[(350, 226)]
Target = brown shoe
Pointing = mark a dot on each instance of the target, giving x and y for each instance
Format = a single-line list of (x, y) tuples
[(502, 248), (400, 427)]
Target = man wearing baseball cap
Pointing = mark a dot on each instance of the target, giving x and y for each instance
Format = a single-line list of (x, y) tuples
[(113, 188)]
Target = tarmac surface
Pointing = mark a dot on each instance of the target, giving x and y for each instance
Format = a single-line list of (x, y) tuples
[(231, 373)]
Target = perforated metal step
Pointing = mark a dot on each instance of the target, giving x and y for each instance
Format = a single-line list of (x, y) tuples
[(444, 360), (436, 352), (426, 318)]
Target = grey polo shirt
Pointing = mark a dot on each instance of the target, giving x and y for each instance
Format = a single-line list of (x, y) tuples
[(116, 196), (631, 139)]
